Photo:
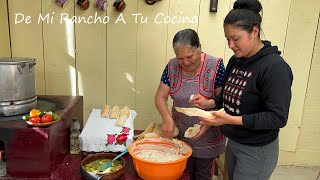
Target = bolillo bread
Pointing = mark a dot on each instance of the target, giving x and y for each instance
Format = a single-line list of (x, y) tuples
[(114, 112), (124, 115), (105, 111)]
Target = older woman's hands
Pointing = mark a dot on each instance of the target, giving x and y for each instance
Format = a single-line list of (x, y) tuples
[(221, 118), (202, 102), (168, 128)]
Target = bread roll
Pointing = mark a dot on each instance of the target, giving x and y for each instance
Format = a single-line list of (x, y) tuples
[(105, 111), (125, 111), (124, 115), (114, 112)]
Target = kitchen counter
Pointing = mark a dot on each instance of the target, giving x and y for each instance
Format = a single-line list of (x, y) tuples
[(40, 152)]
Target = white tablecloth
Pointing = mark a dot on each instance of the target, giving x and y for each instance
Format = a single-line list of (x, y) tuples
[(93, 137)]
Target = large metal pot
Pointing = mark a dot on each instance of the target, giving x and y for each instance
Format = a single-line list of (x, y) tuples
[(17, 86)]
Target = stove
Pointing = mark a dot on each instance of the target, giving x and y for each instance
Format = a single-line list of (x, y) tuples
[(43, 103), (42, 152)]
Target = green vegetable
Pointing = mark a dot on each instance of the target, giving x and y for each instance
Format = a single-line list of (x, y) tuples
[(26, 117), (55, 116), (41, 113)]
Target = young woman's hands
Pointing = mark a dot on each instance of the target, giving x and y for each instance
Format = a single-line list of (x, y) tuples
[(221, 118)]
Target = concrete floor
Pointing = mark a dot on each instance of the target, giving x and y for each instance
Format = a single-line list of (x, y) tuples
[(291, 173), (295, 173)]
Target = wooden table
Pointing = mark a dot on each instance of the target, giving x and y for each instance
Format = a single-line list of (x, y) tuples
[(130, 173)]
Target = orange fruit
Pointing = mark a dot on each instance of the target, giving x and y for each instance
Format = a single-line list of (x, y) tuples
[(34, 112)]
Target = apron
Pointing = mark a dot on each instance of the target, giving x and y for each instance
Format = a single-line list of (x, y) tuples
[(212, 143)]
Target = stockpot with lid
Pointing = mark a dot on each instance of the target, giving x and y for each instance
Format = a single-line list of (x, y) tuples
[(17, 86)]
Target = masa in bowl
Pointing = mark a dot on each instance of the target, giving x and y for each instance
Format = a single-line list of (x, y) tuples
[(99, 175), (159, 159)]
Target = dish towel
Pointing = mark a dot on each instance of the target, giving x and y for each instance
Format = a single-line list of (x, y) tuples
[(101, 135)]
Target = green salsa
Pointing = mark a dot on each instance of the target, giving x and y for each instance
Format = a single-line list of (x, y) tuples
[(93, 166)]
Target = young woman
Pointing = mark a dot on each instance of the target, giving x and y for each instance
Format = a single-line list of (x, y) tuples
[(256, 96), (192, 72)]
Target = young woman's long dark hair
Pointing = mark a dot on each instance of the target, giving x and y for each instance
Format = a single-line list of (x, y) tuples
[(245, 15)]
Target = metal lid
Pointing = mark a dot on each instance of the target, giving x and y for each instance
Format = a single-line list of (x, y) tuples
[(16, 60)]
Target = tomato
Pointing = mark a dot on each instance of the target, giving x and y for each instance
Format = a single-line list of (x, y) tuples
[(35, 119), (46, 118)]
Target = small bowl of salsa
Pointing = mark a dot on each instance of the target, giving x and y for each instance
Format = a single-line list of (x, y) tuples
[(90, 167)]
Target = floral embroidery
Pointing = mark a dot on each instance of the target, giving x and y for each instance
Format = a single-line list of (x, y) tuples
[(118, 139), (121, 139), (111, 138), (125, 130), (175, 75), (206, 78)]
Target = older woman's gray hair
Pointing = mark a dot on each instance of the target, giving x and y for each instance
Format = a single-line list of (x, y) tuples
[(186, 37)]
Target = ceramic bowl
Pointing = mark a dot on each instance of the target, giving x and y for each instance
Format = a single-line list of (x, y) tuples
[(108, 176)]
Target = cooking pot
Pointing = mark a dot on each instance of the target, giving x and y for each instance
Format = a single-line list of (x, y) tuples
[(17, 86)]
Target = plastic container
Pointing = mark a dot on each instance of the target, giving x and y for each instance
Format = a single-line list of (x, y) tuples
[(149, 170)]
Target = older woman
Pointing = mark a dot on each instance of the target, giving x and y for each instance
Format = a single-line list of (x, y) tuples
[(192, 72)]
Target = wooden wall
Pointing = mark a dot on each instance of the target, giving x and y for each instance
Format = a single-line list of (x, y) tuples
[(4, 30), (308, 145), (300, 53), (121, 63)]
